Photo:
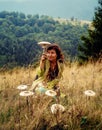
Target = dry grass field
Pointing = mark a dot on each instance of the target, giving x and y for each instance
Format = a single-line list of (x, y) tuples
[(74, 21), (82, 112)]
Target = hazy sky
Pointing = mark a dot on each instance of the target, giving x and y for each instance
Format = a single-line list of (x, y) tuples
[(81, 9)]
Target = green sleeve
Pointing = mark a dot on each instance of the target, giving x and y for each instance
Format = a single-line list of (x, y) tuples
[(40, 72), (52, 83)]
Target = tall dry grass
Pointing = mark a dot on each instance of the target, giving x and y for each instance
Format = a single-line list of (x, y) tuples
[(81, 112)]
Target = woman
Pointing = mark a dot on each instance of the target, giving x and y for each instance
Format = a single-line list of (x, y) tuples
[(50, 70)]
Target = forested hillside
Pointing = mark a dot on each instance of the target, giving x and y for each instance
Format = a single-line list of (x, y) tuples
[(20, 33)]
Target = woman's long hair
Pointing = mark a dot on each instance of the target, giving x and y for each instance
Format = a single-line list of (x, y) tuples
[(60, 56), (52, 74)]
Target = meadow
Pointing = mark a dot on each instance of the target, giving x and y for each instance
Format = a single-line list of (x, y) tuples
[(82, 111)]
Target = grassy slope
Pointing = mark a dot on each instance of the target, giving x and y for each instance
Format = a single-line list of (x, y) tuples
[(73, 22), (82, 112)]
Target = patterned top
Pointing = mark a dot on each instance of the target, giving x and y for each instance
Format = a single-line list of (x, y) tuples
[(53, 79)]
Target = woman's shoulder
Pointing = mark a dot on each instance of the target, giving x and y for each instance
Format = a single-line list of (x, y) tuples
[(60, 62), (60, 65)]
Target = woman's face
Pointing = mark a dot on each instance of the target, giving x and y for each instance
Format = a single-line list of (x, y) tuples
[(51, 55)]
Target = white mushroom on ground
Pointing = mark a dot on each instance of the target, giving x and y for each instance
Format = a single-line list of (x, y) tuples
[(22, 87), (55, 108), (26, 93), (89, 93), (50, 93)]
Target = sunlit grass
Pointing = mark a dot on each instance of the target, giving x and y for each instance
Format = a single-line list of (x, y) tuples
[(81, 111)]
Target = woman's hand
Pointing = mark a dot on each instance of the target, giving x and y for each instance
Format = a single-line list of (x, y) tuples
[(43, 57), (42, 61)]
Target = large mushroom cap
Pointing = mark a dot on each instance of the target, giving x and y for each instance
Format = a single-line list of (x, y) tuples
[(44, 44)]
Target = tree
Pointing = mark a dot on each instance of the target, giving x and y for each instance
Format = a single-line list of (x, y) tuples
[(19, 35), (92, 44)]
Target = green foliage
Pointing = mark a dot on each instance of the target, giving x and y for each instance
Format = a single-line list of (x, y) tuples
[(5, 117), (2, 117), (92, 44), (19, 35)]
